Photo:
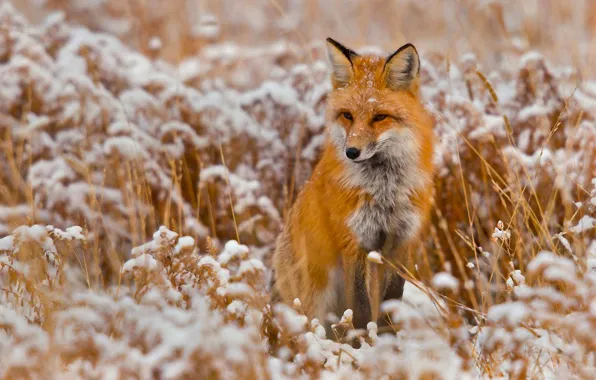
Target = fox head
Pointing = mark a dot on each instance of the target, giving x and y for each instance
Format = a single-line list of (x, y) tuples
[(374, 108)]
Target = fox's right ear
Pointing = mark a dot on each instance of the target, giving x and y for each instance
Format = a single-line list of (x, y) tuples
[(341, 62)]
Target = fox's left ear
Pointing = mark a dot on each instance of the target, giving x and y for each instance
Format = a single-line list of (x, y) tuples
[(341, 62), (402, 69)]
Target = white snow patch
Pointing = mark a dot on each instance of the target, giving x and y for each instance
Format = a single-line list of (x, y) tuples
[(445, 281), (584, 224)]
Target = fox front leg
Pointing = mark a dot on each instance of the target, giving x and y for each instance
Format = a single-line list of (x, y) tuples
[(356, 293)]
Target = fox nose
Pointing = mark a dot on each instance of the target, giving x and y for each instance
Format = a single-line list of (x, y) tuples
[(352, 153)]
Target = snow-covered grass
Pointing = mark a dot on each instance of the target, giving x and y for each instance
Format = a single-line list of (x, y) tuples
[(140, 201)]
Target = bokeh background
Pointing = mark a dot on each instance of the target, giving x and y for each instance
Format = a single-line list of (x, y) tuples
[(490, 29)]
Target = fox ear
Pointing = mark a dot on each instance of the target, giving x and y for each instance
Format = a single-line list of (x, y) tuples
[(341, 62), (402, 69)]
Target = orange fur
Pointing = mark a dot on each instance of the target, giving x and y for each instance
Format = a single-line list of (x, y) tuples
[(317, 240)]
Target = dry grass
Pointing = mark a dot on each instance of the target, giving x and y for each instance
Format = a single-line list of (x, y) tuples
[(215, 141), (492, 30)]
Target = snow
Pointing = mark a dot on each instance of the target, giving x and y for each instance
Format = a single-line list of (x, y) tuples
[(564, 241), (144, 261), (7, 243), (445, 281), (546, 259), (518, 277), (155, 43), (372, 329), (512, 313), (585, 223), (126, 147), (537, 159), (375, 257), (164, 236), (535, 110), (238, 289), (494, 126), (237, 307), (109, 144), (207, 27), (501, 233), (184, 243), (591, 256), (71, 233), (251, 266), (231, 251), (531, 57), (36, 233), (347, 317), (290, 319)]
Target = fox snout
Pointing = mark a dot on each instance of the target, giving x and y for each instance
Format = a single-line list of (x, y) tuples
[(359, 144), (360, 154), (360, 148), (352, 153)]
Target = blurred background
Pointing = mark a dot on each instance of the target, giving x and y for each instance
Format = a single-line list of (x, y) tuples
[(562, 30)]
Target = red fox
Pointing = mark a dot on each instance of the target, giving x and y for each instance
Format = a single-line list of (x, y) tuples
[(370, 191)]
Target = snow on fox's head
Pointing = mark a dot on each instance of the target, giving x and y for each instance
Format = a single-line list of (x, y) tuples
[(374, 107)]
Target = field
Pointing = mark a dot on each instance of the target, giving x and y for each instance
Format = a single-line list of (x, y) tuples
[(150, 151)]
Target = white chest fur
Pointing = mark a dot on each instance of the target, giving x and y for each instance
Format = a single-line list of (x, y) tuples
[(389, 178), (389, 181), (390, 211)]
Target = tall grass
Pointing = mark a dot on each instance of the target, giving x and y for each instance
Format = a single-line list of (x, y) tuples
[(208, 144)]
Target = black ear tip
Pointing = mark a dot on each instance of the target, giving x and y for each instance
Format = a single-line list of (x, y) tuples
[(404, 47), (345, 51), (408, 45), (335, 43)]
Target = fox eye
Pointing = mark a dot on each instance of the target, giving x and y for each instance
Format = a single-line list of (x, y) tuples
[(347, 116), (379, 117)]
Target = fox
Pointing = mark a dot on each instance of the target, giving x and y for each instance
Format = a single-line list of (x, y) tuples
[(370, 191)]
